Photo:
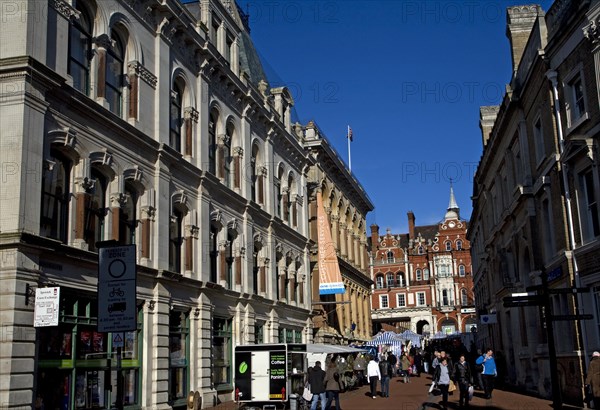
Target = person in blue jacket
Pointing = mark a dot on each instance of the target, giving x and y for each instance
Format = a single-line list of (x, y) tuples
[(489, 372)]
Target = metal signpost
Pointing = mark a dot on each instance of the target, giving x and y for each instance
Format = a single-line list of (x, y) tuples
[(117, 308)]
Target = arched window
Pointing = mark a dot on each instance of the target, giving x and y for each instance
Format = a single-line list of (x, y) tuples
[(175, 240), (291, 188), (212, 141), (464, 299), (55, 199), (80, 49), (127, 216), (421, 250), (96, 210), (279, 193), (254, 176), (418, 274), (461, 270), (448, 246), (379, 281), (390, 257), (176, 116), (214, 252), (114, 73), (390, 280), (426, 274), (400, 279), (459, 245)]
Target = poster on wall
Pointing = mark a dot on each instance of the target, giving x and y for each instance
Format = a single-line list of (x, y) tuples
[(330, 277), (46, 307)]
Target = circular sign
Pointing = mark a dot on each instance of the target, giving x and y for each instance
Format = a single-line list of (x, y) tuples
[(117, 268)]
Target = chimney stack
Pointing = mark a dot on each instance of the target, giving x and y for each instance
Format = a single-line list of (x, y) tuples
[(487, 117), (411, 225), (519, 22), (374, 235)]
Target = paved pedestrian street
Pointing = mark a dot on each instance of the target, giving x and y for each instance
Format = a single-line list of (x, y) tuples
[(415, 396)]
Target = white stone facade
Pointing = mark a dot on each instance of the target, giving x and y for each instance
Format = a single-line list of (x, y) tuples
[(147, 123)]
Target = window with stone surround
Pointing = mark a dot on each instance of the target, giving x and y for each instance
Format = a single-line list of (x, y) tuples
[(461, 270), (390, 257), (175, 240), (587, 202), (115, 57), (575, 98), (464, 298), (179, 352), (222, 354), (401, 299), (426, 274), (80, 48), (128, 215), (448, 246), (383, 302), (421, 301), (390, 280), (96, 210), (227, 157), (459, 245), (212, 141), (54, 221), (176, 115), (379, 282), (418, 275), (538, 139)]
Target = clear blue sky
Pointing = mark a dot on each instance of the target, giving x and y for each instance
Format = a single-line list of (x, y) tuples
[(407, 76)]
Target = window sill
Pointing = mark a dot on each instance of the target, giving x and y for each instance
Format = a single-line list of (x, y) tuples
[(572, 127)]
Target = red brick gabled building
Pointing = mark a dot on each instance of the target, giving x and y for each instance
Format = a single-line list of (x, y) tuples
[(423, 278)]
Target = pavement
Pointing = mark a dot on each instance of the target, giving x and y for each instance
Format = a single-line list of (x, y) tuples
[(415, 396)]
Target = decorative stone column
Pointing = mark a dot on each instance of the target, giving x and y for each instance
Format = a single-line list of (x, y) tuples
[(357, 255), (361, 315), (82, 188), (261, 175), (190, 117), (292, 286), (148, 213), (116, 201), (222, 140), (263, 276), (103, 43), (295, 201), (223, 245), (191, 233), (349, 241), (347, 308), (343, 241), (238, 154), (367, 316), (285, 201), (335, 230), (133, 78), (282, 283), (354, 304)]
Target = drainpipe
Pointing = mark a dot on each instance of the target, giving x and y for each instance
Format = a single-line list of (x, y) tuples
[(581, 331)]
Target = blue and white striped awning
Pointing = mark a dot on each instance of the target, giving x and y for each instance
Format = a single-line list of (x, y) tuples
[(386, 338)]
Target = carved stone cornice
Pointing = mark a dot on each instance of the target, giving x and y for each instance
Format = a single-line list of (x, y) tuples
[(64, 9), (191, 113), (135, 67)]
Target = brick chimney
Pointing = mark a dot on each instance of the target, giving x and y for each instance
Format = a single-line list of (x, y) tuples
[(374, 235), (519, 22), (487, 117), (411, 225)]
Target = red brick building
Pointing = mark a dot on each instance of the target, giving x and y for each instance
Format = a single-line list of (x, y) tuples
[(423, 278)]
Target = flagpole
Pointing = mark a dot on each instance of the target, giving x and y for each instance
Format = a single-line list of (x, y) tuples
[(349, 157)]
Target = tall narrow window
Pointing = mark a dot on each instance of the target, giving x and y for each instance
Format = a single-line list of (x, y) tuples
[(390, 280), (448, 246), (418, 274), (229, 259), (445, 300), (212, 142), (426, 274), (227, 158), (114, 74), (178, 355), (390, 257), (176, 118), (96, 211), (175, 241), (459, 245), (461, 270), (255, 270), (214, 253), (400, 279), (383, 301), (588, 206), (253, 176), (55, 199), (221, 352), (464, 298), (127, 217), (538, 137), (379, 281), (80, 50)]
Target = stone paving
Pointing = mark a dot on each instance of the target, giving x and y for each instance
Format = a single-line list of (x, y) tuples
[(415, 396)]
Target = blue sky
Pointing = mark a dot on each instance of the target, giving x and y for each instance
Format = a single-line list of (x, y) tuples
[(407, 76)]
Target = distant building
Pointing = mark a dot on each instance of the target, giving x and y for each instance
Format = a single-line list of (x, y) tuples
[(423, 279), (536, 218)]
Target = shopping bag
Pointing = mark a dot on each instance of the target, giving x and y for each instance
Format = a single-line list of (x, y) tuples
[(470, 393), (432, 387), (451, 387), (307, 395)]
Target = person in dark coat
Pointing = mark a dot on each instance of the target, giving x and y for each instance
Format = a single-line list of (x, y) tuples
[(464, 379), (593, 378), (332, 386), (392, 360), (442, 375), (418, 363), (316, 380)]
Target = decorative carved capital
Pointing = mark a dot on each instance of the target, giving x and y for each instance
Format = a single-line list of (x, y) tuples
[(117, 200), (191, 113), (238, 151), (263, 170), (148, 212), (85, 184), (192, 230), (103, 41), (592, 32), (136, 68), (223, 139)]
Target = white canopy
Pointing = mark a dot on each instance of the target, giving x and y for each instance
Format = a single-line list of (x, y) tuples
[(324, 348)]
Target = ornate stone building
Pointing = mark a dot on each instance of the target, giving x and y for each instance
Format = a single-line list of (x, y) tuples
[(147, 123), (535, 223), (341, 318), (423, 279)]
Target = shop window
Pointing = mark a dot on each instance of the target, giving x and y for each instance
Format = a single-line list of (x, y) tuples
[(222, 356), (72, 367), (55, 199), (179, 333)]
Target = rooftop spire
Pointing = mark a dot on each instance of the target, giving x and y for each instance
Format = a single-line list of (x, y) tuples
[(453, 209)]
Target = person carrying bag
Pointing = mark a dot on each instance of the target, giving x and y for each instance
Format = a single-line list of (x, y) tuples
[(442, 377), (464, 379)]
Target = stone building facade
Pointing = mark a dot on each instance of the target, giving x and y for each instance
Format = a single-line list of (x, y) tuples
[(147, 123), (423, 279), (341, 318), (535, 224)]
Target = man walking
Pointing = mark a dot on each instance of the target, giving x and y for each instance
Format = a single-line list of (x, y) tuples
[(316, 379), (489, 372), (462, 373), (384, 369)]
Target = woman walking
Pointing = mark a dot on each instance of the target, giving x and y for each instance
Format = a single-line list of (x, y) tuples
[(405, 363), (442, 376), (374, 375), (489, 372), (332, 386)]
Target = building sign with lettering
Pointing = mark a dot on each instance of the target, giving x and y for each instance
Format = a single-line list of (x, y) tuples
[(46, 307)]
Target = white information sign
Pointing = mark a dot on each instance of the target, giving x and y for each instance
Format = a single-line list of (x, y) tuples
[(46, 307), (117, 289)]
